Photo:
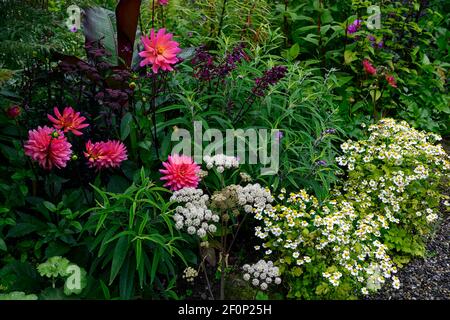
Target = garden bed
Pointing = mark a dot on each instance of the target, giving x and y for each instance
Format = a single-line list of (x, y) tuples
[(224, 149)]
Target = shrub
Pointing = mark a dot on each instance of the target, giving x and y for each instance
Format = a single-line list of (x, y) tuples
[(396, 172), (133, 234), (352, 244)]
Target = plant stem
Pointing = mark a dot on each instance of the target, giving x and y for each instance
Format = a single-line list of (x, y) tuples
[(224, 4), (236, 233), (286, 25), (154, 94), (207, 278), (153, 14)]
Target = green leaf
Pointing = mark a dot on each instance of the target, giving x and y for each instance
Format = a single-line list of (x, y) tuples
[(120, 252), (375, 94), (326, 17), (50, 206), (155, 264), (294, 51), (349, 56), (3, 245), (125, 125), (105, 290), (261, 296)]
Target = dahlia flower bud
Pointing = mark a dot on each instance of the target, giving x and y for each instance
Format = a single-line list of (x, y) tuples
[(13, 111)]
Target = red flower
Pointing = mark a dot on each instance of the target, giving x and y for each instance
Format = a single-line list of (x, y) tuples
[(391, 80), (68, 121), (180, 171), (13, 112), (368, 67), (107, 154), (49, 147)]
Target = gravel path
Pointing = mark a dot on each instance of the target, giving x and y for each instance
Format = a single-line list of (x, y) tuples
[(428, 278)]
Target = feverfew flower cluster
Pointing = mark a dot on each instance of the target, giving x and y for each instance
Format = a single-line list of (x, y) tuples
[(327, 234), (392, 184), (394, 174), (194, 216), (221, 162), (262, 274)]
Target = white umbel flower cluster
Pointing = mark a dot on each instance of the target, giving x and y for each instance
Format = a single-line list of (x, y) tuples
[(221, 162), (194, 216), (253, 197), (262, 274)]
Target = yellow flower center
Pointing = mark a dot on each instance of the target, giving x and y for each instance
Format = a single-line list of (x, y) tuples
[(160, 50)]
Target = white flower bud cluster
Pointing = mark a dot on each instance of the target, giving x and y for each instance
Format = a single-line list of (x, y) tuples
[(190, 274), (245, 177), (254, 196), (194, 215), (262, 274), (221, 162)]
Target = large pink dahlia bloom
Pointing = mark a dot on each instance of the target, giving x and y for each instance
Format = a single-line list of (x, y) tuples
[(49, 147), (180, 171), (160, 50), (107, 154), (69, 120)]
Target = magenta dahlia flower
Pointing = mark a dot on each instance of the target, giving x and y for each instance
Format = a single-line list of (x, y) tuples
[(160, 50), (180, 172), (49, 147), (69, 120), (109, 154), (163, 2)]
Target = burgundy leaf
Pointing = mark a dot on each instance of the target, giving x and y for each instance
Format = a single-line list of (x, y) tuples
[(127, 14)]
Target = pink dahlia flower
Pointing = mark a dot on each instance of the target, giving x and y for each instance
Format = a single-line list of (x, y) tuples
[(180, 171), (164, 2), (68, 121), (49, 147), (160, 50), (107, 154), (368, 67)]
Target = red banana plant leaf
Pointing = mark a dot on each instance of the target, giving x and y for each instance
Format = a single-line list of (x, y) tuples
[(127, 15)]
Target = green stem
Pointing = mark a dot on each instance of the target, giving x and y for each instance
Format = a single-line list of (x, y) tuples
[(224, 4)]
